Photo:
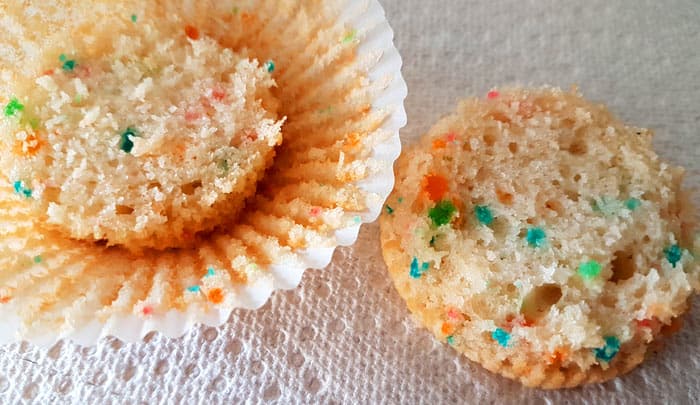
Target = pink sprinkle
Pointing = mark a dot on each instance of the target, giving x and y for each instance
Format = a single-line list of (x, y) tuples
[(492, 94), (191, 115), (451, 137), (218, 94), (315, 211), (147, 310), (452, 313)]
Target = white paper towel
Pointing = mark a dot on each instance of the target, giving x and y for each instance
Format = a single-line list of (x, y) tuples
[(345, 336)]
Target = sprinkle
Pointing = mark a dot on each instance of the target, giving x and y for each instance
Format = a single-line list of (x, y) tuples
[(501, 336), (416, 271), (134, 18), (21, 189), (126, 143), (673, 254), (216, 296), (350, 36), (5, 299), (389, 210), (37, 259), (147, 310), (435, 186), (451, 137), (447, 328), (483, 214), (13, 107), (607, 352), (358, 219), (315, 211), (439, 144), (632, 204), (194, 289), (192, 32), (400, 200), (590, 269), (442, 213), (210, 272), (218, 94), (450, 340), (270, 66), (492, 94), (432, 241), (452, 313), (68, 64), (536, 237), (645, 323)]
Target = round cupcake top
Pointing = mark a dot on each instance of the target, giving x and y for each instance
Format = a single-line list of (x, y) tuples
[(535, 226), (139, 135)]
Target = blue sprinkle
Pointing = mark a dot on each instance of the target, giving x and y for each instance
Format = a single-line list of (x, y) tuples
[(21, 189), (632, 204), (210, 272), (194, 288), (673, 254), (501, 336), (483, 214), (358, 219), (536, 237), (607, 352), (417, 271), (450, 340)]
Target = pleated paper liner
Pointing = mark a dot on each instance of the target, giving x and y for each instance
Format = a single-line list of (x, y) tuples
[(340, 86)]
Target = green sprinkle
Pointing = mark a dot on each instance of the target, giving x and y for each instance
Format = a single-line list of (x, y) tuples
[(442, 213), (270, 66), (126, 143), (483, 214), (450, 340), (350, 37), (389, 210), (400, 200), (632, 204), (673, 254), (536, 237), (590, 269), (194, 288), (607, 352), (78, 99), (37, 259), (68, 64), (134, 18), (13, 107)]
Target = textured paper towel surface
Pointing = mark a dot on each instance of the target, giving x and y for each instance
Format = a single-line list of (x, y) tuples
[(345, 336)]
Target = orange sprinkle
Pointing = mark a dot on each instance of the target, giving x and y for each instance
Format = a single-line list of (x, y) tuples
[(5, 299), (216, 296), (559, 355), (192, 32), (447, 328), (435, 186), (48, 72), (504, 197), (439, 144), (29, 146)]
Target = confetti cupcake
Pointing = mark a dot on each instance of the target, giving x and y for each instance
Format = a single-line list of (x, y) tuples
[(134, 194), (541, 237)]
